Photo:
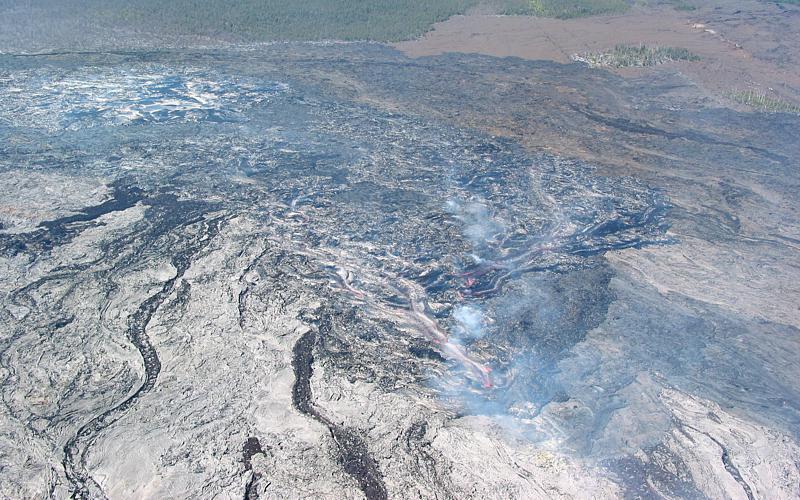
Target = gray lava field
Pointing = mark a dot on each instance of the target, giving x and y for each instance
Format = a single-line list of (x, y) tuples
[(331, 271)]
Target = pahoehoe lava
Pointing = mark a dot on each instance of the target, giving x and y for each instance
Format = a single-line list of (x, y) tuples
[(163, 221), (353, 454), (328, 270)]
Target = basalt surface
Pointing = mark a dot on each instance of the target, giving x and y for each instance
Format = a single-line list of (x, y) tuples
[(328, 270)]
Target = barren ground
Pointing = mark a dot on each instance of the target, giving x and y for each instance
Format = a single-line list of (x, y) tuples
[(742, 45)]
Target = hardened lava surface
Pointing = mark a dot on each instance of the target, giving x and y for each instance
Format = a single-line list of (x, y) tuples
[(298, 270)]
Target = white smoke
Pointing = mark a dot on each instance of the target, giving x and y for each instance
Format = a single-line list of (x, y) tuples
[(479, 226), (471, 322)]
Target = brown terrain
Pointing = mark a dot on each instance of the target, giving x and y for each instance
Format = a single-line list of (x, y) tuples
[(742, 45)]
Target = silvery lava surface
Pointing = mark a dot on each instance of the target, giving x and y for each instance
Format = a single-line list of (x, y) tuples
[(240, 273)]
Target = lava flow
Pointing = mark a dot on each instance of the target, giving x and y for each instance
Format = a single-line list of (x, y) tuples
[(453, 350), (415, 315)]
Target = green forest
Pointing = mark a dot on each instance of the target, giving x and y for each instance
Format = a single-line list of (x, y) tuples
[(264, 20), (290, 19)]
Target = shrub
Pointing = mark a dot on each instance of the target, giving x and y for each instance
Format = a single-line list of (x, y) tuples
[(635, 55)]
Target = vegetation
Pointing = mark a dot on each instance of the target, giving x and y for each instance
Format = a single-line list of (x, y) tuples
[(676, 4), (511, 7), (682, 5), (635, 55), (382, 20), (565, 9), (764, 103), (263, 20)]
